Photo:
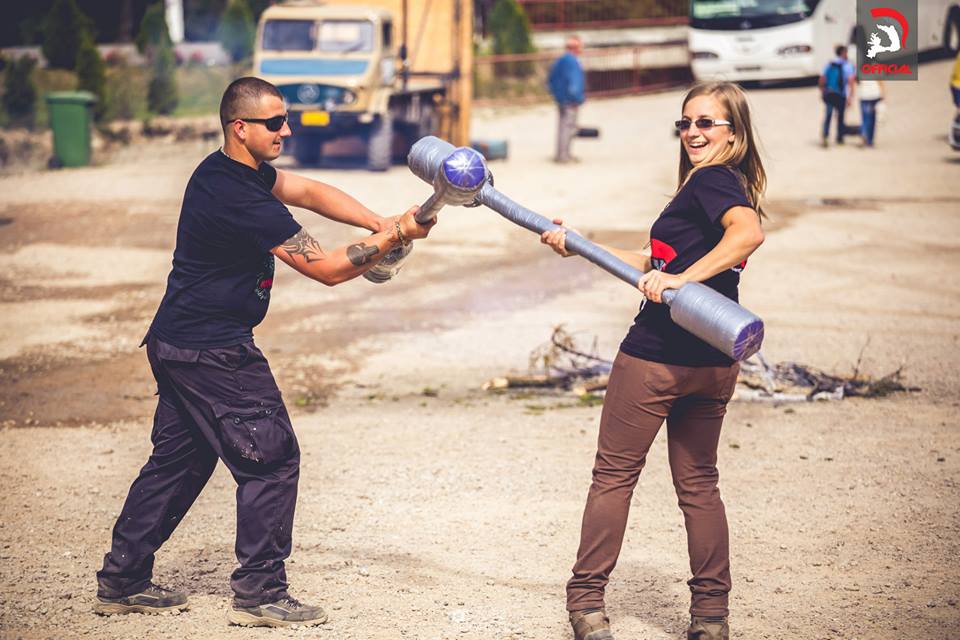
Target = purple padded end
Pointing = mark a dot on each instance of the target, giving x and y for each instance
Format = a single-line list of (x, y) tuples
[(464, 168), (748, 341)]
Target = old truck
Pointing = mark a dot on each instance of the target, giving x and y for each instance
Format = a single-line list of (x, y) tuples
[(385, 72)]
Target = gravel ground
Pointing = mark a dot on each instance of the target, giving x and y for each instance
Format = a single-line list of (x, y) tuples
[(430, 509)]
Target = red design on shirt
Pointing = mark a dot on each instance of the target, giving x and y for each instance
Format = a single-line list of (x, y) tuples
[(661, 254)]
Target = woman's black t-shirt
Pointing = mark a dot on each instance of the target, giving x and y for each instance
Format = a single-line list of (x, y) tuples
[(687, 229)]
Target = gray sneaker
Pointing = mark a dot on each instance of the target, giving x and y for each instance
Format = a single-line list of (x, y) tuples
[(590, 624), (708, 628), (153, 599), (285, 612)]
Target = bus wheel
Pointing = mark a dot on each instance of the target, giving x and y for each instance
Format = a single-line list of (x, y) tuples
[(951, 33)]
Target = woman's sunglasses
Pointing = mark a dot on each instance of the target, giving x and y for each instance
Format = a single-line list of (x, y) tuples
[(702, 123), (272, 124)]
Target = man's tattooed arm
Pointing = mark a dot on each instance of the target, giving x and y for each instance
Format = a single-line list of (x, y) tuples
[(360, 254), (303, 244), (333, 266)]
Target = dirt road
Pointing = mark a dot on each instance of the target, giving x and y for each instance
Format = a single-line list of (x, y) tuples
[(429, 509)]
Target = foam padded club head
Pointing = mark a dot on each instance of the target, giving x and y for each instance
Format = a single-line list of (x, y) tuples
[(464, 169), (457, 174), (715, 319), (427, 155)]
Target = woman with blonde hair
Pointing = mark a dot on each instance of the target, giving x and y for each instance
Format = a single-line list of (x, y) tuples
[(662, 372)]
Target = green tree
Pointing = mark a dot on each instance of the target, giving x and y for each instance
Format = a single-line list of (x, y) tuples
[(63, 32), (91, 75), (200, 19), (153, 30), (162, 95), (237, 30), (257, 7), (20, 96), (126, 94), (510, 28)]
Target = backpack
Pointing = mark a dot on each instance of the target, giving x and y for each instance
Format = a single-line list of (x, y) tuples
[(834, 80)]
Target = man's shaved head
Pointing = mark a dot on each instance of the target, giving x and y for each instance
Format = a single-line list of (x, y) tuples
[(242, 98)]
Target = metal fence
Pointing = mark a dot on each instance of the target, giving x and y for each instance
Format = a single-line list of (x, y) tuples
[(559, 15), (609, 71)]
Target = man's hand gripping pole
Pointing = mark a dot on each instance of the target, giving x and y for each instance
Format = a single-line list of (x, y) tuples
[(460, 175)]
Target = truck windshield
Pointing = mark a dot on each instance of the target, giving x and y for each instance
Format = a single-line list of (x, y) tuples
[(748, 14), (289, 35), (343, 36)]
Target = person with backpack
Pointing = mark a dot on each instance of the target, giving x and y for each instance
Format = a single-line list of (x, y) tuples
[(836, 88)]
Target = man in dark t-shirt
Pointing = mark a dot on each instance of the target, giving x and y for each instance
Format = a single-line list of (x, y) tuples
[(218, 399)]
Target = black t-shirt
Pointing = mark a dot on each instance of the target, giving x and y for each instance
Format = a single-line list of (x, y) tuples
[(687, 229), (219, 287)]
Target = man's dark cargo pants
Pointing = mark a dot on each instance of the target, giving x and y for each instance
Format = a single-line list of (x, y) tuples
[(213, 403)]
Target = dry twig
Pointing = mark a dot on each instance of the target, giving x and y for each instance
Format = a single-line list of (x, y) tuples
[(565, 365)]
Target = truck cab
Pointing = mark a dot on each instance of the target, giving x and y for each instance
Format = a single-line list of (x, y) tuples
[(337, 67)]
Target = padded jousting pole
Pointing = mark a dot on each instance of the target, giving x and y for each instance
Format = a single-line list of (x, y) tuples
[(707, 314), (457, 179)]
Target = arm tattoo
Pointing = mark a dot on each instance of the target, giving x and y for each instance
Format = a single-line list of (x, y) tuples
[(360, 254), (304, 245)]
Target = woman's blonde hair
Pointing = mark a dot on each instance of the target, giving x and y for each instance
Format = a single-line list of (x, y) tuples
[(743, 153)]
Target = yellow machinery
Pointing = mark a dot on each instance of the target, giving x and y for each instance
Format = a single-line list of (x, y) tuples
[(390, 71)]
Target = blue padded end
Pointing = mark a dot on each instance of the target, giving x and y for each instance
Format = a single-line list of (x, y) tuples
[(748, 340), (464, 168)]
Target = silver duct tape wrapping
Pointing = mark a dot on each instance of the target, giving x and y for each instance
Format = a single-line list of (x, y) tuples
[(707, 314), (458, 175), (535, 222), (426, 156), (715, 319), (459, 178), (390, 265)]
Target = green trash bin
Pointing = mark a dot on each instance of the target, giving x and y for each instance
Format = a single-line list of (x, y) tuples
[(71, 115)]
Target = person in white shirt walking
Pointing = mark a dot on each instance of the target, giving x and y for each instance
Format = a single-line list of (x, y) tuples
[(871, 93)]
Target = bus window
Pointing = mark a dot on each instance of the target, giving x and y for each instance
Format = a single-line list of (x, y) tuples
[(757, 14), (289, 35)]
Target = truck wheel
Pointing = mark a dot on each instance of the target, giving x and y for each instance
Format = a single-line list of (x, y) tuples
[(951, 33), (380, 143), (307, 149)]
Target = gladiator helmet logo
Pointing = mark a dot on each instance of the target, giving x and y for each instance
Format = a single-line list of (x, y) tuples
[(891, 40), (887, 40)]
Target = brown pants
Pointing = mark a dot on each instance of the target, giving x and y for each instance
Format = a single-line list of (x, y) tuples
[(641, 394)]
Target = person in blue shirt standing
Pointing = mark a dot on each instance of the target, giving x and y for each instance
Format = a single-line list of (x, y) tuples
[(836, 88), (567, 85)]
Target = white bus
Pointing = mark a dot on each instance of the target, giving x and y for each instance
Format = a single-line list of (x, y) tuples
[(743, 40)]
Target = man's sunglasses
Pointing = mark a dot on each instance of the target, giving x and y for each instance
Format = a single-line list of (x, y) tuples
[(272, 124), (702, 123)]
